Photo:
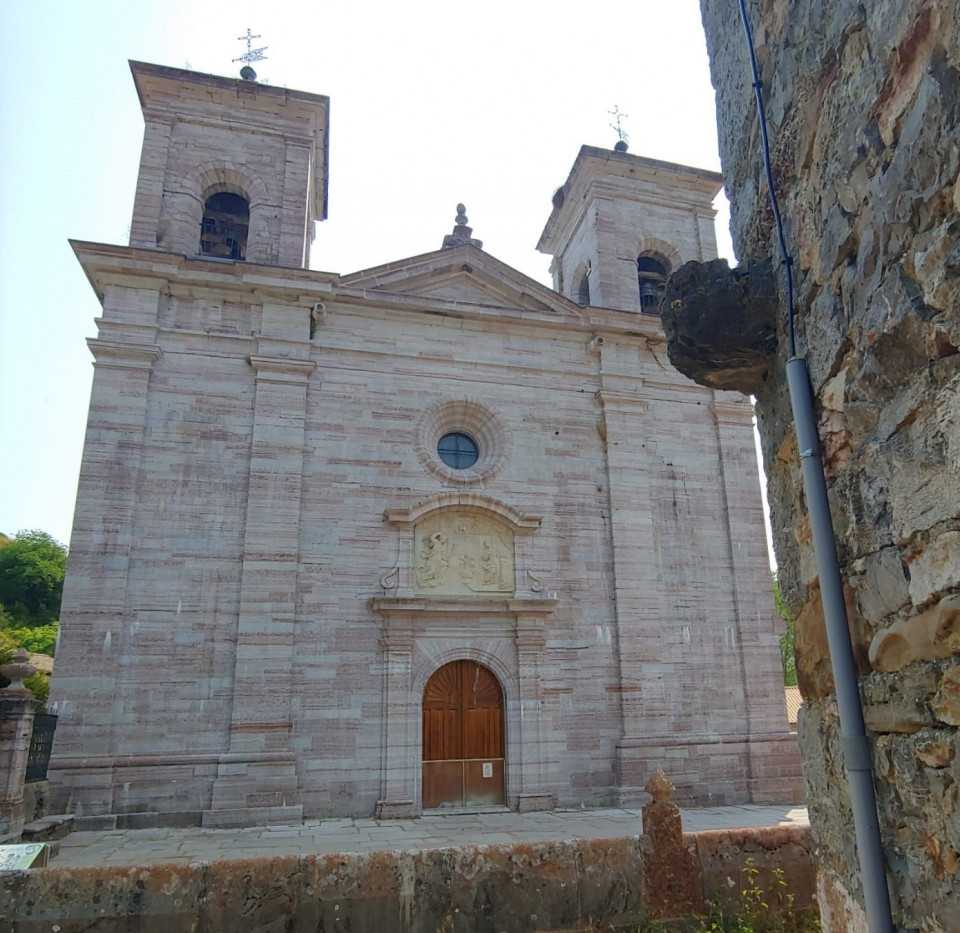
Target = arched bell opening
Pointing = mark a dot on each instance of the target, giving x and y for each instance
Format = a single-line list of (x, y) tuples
[(224, 228), (652, 272), (463, 738), (583, 289)]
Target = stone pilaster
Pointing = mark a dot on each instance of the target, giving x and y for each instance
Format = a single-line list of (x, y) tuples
[(145, 226), (531, 642), (638, 607), (95, 589), (256, 780), (774, 754), (400, 723), (295, 232)]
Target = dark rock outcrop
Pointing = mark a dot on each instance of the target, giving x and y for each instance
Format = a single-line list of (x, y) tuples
[(721, 323)]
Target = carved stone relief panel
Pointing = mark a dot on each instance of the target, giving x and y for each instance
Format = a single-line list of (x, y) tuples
[(459, 553)]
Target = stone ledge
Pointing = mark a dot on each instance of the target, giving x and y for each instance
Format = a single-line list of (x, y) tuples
[(48, 827), (532, 803), (231, 817), (463, 605), (95, 823)]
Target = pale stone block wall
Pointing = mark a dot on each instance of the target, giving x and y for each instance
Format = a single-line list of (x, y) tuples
[(245, 672), (243, 638)]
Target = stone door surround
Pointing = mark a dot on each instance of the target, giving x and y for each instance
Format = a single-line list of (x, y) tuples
[(471, 613)]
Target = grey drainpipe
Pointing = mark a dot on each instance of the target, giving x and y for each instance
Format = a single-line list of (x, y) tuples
[(857, 757)]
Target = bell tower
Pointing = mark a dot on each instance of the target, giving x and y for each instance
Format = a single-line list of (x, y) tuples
[(231, 169), (622, 223)]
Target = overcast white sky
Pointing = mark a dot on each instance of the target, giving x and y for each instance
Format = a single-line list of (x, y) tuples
[(431, 103)]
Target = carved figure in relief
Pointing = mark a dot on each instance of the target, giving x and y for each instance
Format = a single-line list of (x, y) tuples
[(491, 563), (436, 558), (462, 554)]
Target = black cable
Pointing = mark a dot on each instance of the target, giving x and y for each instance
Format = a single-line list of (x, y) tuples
[(784, 255)]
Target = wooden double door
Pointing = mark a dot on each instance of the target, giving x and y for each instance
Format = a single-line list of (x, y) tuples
[(463, 742)]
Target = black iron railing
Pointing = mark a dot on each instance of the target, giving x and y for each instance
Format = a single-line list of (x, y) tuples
[(41, 742)]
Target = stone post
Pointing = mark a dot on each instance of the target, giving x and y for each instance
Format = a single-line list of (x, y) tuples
[(672, 883), (17, 707)]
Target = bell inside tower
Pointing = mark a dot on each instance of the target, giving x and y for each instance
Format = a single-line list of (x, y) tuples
[(223, 230), (652, 278)]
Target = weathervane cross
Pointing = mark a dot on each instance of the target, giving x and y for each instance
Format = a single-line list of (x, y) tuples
[(252, 54), (621, 133)]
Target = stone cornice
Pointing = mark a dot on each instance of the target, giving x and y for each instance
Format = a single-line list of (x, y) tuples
[(186, 276), (166, 760), (119, 355), (689, 387), (470, 605), (300, 114), (594, 166), (518, 522), (138, 267), (625, 189), (613, 401), (282, 369), (733, 412)]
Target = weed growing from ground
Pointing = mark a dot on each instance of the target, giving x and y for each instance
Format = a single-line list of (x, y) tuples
[(760, 912)]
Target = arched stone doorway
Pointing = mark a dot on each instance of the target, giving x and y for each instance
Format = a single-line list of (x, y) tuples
[(463, 737)]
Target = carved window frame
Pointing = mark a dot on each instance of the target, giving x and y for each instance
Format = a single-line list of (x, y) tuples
[(484, 427)]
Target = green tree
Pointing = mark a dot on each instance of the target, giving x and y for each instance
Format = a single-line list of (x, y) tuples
[(37, 639), (787, 656), (32, 567)]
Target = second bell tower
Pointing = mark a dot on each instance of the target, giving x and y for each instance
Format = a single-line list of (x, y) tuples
[(621, 224)]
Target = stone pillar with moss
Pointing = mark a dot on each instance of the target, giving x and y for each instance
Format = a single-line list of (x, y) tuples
[(17, 707)]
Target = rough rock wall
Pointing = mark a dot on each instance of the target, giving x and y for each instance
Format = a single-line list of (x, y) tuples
[(863, 103)]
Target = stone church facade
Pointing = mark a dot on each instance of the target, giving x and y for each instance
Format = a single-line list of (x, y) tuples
[(424, 536)]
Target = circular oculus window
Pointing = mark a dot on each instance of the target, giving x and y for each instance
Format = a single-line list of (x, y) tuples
[(457, 450)]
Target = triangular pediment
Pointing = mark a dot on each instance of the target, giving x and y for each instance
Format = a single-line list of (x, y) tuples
[(464, 276)]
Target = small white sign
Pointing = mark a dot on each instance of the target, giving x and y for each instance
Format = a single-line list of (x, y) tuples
[(488, 769), (23, 855)]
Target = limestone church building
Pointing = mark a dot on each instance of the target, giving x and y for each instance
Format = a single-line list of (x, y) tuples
[(416, 538)]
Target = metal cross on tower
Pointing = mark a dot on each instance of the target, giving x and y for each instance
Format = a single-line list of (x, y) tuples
[(621, 145), (251, 55)]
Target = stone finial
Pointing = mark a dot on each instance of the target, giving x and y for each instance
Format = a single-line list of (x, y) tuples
[(462, 234), (659, 786), (18, 670)]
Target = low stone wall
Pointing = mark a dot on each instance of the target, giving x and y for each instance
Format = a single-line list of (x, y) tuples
[(572, 885), (731, 861)]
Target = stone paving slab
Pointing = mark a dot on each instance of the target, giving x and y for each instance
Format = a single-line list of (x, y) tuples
[(325, 837)]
